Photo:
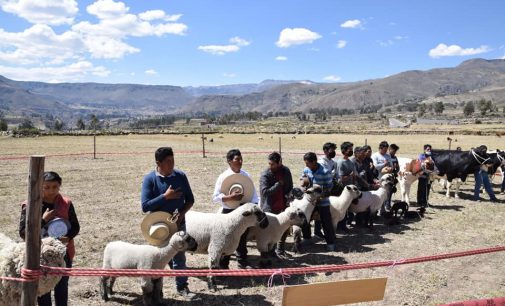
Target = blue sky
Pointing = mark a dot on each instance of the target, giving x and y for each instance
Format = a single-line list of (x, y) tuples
[(185, 42)]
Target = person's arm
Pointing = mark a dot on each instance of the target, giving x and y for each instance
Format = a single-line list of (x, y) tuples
[(377, 163), (149, 200), (217, 197), (189, 198), (22, 222), (265, 189), (288, 181), (74, 222)]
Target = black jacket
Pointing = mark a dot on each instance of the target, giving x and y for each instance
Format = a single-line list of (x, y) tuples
[(269, 185)]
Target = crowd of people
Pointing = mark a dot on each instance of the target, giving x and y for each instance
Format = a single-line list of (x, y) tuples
[(167, 189)]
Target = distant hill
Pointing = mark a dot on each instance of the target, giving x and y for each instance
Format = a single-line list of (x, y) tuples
[(238, 89), (471, 80), (474, 79)]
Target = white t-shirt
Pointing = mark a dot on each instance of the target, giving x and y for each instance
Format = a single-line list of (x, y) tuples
[(217, 197)]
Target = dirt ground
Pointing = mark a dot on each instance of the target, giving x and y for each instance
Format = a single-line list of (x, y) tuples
[(106, 195)]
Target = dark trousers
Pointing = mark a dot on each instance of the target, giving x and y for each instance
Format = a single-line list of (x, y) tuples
[(60, 291), (178, 262), (423, 190), (241, 251), (329, 231)]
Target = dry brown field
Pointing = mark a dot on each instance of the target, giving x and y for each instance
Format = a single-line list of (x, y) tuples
[(106, 195)]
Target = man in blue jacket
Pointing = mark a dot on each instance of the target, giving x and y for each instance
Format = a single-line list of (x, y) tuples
[(167, 189)]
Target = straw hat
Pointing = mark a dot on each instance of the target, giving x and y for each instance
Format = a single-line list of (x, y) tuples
[(157, 227), (240, 182)]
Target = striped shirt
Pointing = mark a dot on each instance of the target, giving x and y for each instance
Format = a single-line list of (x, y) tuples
[(322, 177)]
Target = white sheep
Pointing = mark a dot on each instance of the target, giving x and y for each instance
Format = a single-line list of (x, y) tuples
[(339, 205), (267, 238), (371, 201), (219, 234), (124, 255), (307, 204), (12, 254), (406, 177)]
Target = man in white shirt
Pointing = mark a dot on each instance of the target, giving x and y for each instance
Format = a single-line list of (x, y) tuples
[(234, 159), (329, 164), (382, 160)]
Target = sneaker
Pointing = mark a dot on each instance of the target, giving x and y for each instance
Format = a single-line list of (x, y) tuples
[(318, 236), (494, 200), (186, 294), (330, 247)]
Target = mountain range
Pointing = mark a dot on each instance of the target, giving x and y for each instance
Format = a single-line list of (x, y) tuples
[(471, 80)]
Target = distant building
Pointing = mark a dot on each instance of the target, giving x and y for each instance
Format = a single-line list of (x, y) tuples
[(395, 123)]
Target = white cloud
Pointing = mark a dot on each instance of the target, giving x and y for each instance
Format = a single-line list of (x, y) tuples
[(341, 44), (158, 14), (351, 24), (219, 50), (281, 58), (151, 72), (332, 78), (230, 75), (236, 43), (385, 43), (72, 72), (296, 36), (239, 41), (455, 50), (39, 44), (40, 11), (399, 37), (107, 9)]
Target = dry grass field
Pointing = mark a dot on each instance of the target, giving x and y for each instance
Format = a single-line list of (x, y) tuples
[(106, 193)]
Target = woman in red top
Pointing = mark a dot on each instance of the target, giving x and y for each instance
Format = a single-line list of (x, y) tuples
[(55, 205)]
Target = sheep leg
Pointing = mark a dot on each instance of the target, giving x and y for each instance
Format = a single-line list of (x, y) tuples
[(147, 291), (407, 193), (111, 285), (297, 239), (157, 291), (213, 264), (448, 186), (265, 260), (103, 288)]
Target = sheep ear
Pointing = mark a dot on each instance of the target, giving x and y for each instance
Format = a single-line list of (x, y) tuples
[(247, 213)]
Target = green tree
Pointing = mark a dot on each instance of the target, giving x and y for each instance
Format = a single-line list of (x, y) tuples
[(93, 124), (484, 106), (58, 125), (438, 107), (469, 108), (3, 125), (27, 124), (421, 109), (80, 125)]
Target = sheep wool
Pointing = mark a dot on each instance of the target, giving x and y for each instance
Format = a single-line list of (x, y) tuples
[(340, 204), (12, 255)]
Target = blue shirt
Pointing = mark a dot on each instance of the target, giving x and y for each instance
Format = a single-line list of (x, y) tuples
[(321, 177), (154, 186)]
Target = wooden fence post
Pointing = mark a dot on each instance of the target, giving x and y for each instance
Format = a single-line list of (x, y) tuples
[(280, 145), (32, 233), (94, 146), (203, 145)]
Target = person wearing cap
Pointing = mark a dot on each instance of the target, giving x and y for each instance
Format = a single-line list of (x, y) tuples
[(275, 185), (59, 211), (424, 184), (166, 189), (233, 188)]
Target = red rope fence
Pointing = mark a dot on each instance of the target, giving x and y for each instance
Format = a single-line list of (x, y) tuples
[(31, 275)]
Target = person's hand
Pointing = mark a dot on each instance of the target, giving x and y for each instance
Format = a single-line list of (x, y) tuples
[(236, 195), (64, 239), (172, 194), (49, 215)]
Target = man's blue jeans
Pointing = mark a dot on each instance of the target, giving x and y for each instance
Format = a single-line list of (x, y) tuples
[(481, 177)]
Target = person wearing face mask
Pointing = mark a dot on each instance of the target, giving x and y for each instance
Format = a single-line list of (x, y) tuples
[(329, 164), (424, 184), (346, 172), (382, 160)]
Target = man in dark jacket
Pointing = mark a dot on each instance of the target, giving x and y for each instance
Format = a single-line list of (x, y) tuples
[(275, 184)]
